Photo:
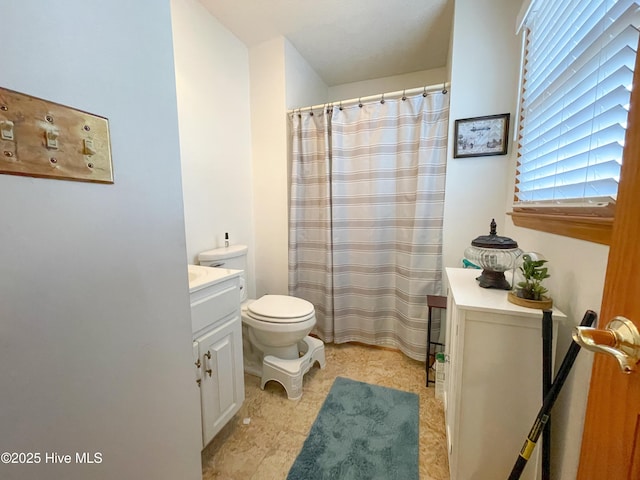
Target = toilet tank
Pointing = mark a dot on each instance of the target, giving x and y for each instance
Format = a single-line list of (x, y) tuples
[(233, 256)]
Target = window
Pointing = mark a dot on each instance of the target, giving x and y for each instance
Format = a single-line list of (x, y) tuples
[(578, 62)]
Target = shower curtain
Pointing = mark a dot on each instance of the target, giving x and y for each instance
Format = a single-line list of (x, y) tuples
[(367, 200)]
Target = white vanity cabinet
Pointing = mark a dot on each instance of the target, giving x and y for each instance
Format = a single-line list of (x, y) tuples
[(217, 347), (222, 385), (493, 383)]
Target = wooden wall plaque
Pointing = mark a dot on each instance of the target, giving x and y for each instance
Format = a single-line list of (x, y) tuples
[(39, 138)]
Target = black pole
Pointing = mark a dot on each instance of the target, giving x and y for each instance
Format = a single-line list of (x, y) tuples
[(547, 376), (549, 400), (428, 366)]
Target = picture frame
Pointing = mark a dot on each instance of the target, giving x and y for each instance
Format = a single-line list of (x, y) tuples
[(481, 136)]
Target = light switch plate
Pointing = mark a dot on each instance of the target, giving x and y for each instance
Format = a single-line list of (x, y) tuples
[(49, 140)]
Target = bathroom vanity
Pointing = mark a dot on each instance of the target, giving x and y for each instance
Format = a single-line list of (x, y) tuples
[(493, 379), (217, 345)]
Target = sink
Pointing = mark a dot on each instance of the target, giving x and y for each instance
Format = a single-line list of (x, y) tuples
[(193, 274), (201, 277)]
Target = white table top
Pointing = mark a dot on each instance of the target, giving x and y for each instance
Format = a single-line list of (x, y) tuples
[(469, 295)]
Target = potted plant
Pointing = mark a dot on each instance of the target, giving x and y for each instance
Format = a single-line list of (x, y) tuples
[(529, 274)]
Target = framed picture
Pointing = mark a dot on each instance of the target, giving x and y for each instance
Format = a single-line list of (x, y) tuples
[(481, 136)]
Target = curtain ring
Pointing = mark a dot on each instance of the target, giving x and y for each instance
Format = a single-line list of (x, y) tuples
[(311, 111), (382, 99), (341, 106), (424, 92), (404, 95), (444, 87), (360, 102)]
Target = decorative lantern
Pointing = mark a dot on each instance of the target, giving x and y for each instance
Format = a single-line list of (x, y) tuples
[(496, 255)]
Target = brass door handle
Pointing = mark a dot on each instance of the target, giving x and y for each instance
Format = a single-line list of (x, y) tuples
[(619, 339)]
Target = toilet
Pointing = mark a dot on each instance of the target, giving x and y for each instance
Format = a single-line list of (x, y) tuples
[(275, 328)]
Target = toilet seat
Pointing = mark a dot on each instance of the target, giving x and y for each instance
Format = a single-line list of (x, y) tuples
[(280, 309)]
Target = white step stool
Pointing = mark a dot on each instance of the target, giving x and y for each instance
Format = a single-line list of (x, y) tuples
[(289, 373)]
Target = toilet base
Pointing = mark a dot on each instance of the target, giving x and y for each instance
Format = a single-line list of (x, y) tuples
[(289, 373)]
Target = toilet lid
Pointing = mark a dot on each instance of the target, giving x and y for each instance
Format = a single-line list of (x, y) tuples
[(281, 308)]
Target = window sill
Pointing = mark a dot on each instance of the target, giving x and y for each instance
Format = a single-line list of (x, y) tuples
[(591, 229)]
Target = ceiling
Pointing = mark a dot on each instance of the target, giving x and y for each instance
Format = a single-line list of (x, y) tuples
[(347, 40)]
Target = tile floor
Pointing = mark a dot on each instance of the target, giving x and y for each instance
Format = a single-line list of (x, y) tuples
[(266, 448)]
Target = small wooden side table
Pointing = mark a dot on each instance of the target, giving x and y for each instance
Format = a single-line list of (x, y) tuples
[(433, 301)]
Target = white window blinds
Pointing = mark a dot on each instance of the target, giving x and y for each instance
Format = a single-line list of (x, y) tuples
[(578, 65)]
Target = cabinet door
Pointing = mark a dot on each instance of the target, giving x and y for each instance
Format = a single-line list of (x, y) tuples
[(500, 393), (451, 379), (222, 387)]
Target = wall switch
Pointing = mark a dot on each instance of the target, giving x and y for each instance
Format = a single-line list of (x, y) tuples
[(6, 129), (88, 147), (52, 138)]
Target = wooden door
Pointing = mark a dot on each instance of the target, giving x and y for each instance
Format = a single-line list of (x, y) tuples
[(611, 438)]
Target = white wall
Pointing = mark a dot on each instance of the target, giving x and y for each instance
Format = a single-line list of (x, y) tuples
[(484, 75), (576, 284), (484, 81), (279, 77), (95, 335), (269, 157), (577, 279), (392, 83), (303, 86), (212, 78)]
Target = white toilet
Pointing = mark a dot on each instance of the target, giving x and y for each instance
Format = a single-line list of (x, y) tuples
[(275, 328)]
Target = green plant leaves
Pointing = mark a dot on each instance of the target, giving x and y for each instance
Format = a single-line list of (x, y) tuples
[(533, 272)]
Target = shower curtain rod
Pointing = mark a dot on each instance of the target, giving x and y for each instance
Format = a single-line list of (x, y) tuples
[(379, 96)]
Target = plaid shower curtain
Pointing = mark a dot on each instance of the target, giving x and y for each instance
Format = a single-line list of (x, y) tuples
[(366, 213)]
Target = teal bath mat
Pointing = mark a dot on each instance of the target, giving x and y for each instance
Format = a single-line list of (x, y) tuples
[(363, 432)]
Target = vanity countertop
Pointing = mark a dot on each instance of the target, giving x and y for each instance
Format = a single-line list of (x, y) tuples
[(201, 277)]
